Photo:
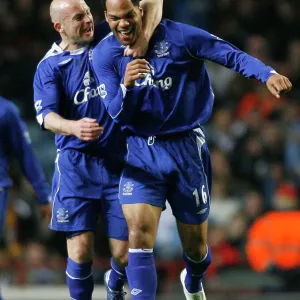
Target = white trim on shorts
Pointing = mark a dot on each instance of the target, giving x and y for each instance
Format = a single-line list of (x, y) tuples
[(58, 185), (200, 142), (121, 177)]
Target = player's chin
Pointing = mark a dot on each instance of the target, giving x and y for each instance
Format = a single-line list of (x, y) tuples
[(87, 38), (125, 43), (126, 40)]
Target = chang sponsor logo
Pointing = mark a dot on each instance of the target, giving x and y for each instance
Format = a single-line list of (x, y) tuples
[(165, 83), (88, 93)]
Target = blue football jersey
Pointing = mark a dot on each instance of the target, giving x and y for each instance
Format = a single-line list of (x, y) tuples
[(64, 83), (176, 95), (15, 141)]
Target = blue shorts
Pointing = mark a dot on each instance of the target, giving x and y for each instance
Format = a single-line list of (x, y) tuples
[(83, 187), (173, 168), (3, 209)]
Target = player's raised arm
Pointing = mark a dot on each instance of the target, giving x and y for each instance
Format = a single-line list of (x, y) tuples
[(203, 45), (116, 91), (152, 16)]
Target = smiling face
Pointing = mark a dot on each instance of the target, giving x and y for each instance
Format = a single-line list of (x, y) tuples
[(124, 19), (74, 22)]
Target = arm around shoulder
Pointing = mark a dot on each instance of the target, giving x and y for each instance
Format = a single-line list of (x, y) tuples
[(152, 16)]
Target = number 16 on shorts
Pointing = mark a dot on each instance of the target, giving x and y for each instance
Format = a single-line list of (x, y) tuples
[(203, 194)]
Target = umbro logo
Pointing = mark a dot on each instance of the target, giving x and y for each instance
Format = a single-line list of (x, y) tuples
[(202, 211), (135, 292)]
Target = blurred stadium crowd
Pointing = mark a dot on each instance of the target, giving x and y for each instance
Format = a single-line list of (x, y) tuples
[(254, 140)]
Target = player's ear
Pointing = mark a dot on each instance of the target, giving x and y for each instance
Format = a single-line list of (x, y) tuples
[(141, 11), (58, 27), (105, 14)]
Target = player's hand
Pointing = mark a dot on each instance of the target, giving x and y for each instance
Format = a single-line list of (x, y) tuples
[(46, 212), (139, 48), (86, 129), (277, 84), (136, 69)]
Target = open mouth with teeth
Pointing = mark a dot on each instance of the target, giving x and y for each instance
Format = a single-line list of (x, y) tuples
[(125, 34), (87, 30)]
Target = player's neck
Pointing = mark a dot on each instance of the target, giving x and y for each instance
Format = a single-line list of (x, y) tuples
[(66, 46)]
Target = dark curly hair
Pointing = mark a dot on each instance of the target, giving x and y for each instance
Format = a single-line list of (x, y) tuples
[(134, 2)]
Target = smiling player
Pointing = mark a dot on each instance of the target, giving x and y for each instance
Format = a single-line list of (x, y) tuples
[(162, 102), (89, 156)]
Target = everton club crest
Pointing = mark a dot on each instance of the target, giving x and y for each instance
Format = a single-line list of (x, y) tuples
[(161, 49)]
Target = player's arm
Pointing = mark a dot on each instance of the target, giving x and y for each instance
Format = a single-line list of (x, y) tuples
[(152, 16), (57, 124), (118, 94), (203, 45), (46, 102), (19, 142), (86, 129)]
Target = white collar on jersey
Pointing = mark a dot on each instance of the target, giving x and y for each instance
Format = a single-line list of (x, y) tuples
[(79, 51)]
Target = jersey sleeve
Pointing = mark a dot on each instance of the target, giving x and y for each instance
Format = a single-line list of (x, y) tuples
[(20, 144), (116, 97), (202, 45), (46, 92)]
